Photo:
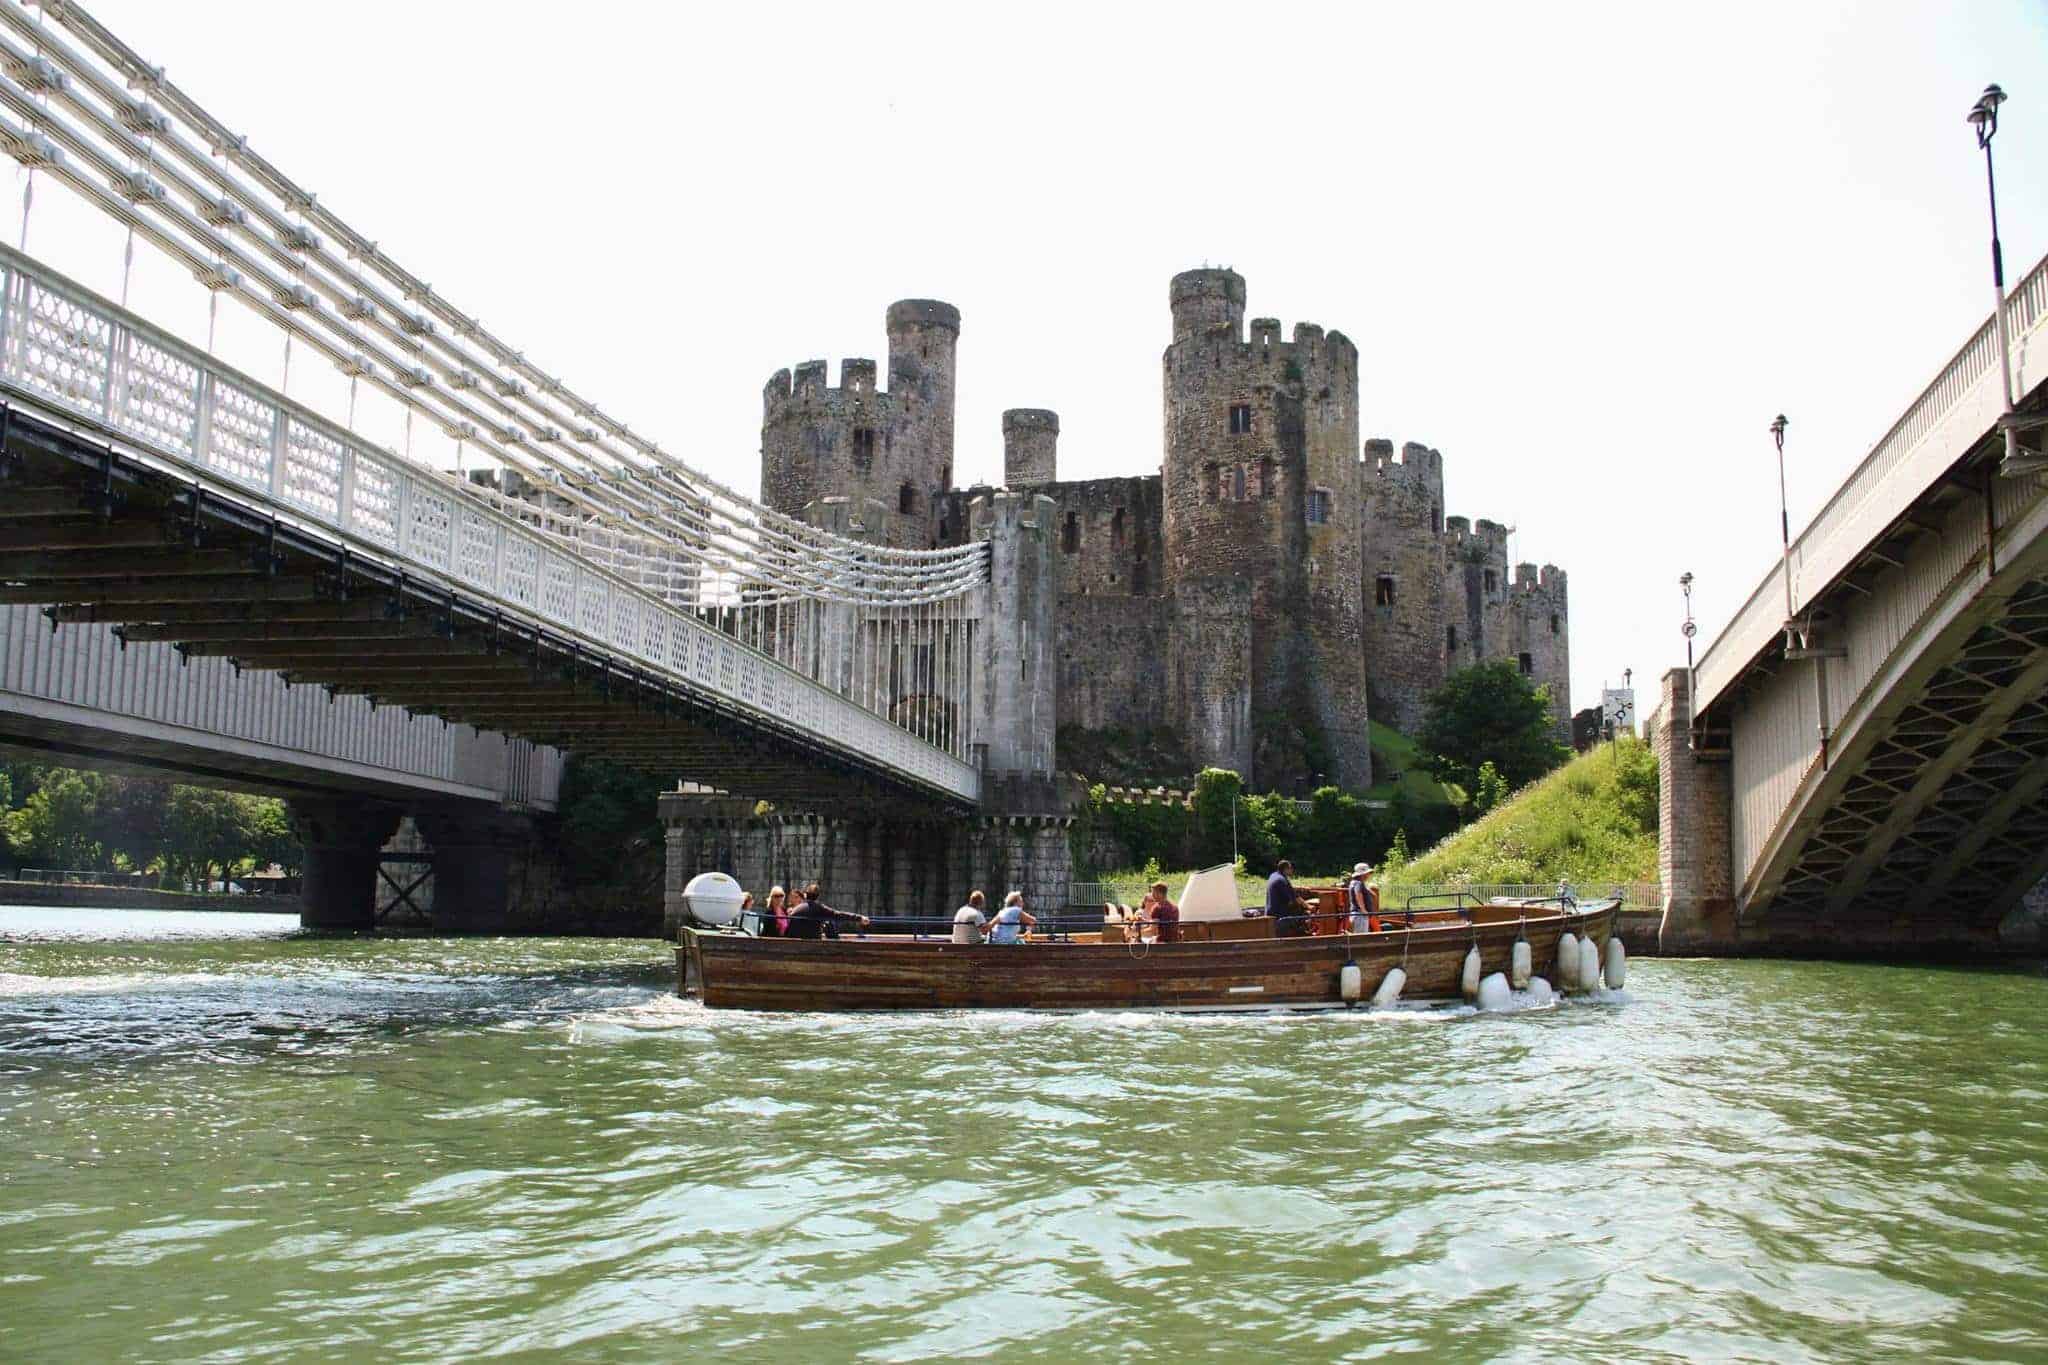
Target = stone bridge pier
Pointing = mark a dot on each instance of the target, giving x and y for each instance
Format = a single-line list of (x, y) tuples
[(474, 850)]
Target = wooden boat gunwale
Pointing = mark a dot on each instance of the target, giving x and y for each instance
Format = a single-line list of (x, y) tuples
[(901, 972)]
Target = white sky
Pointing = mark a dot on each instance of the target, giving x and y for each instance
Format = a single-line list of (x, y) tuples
[(1587, 252)]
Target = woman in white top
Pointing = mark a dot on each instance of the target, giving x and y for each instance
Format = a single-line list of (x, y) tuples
[(968, 919), (1012, 920)]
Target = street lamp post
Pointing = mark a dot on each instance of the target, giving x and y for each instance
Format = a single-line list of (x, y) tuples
[(2018, 462), (1692, 691), (1778, 425)]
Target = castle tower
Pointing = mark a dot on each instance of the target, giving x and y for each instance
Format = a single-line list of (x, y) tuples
[(1261, 488), (1030, 447), (889, 451), (1404, 580)]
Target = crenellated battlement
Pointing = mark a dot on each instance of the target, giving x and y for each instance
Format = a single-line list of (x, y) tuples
[(807, 389)]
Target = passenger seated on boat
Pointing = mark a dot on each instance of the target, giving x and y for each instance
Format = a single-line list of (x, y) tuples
[(968, 919), (1012, 920), (1162, 914), (775, 919), (815, 919)]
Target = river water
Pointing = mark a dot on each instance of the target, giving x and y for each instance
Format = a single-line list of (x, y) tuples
[(228, 1141)]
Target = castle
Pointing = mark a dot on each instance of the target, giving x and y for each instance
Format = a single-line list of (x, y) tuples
[(1263, 594)]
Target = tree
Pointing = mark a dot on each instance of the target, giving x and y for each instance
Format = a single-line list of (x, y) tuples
[(204, 828), (57, 825), (1489, 712)]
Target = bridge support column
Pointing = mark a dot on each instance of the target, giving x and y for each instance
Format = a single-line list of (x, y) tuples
[(473, 853), (344, 843), (1695, 858)]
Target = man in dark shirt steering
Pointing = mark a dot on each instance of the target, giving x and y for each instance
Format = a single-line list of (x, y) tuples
[(815, 919), (1283, 907)]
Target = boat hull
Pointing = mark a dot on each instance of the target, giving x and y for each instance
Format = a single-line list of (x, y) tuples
[(733, 971)]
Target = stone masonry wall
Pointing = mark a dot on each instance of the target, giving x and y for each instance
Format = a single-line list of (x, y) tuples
[(1114, 654), (1403, 580)]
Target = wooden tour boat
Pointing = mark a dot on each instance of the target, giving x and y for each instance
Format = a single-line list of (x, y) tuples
[(1220, 964)]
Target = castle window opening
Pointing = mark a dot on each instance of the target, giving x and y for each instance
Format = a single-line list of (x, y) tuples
[(1528, 663), (1240, 419), (1383, 591), (1210, 486), (1553, 623), (1116, 530), (864, 446), (1237, 483), (1268, 485), (1492, 581), (1318, 506), (1436, 520), (906, 499), (1070, 533), (1451, 639)]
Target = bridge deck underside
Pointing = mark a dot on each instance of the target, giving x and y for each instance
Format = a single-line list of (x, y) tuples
[(1938, 829), (94, 538)]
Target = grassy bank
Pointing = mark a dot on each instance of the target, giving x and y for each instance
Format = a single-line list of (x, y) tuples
[(1593, 820)]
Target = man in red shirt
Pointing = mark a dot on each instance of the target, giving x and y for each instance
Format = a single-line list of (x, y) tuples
[(1164, 915)]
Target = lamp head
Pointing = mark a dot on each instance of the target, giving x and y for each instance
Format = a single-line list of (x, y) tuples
[(1983, 115), (1778, 426)]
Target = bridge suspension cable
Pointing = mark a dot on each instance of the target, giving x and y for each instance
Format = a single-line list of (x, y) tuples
[(159, 165)]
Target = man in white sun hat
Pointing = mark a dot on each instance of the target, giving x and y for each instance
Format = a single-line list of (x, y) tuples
[(1362, 901)]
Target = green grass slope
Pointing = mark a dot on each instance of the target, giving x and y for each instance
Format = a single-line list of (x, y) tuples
[(1397, 767), (1593, 820)]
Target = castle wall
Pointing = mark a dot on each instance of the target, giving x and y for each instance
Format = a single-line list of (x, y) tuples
[(1403, 580), (1114, 654), (1538, 626), (1210, 669)]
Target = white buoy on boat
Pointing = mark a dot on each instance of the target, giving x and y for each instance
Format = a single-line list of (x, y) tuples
[(1494, 993), (1568, 962), (1351, 982), (1540, 992), (1390, 988), (1617, 963), (1520, 966), (713, 898), (1468, 980), (1589, 965)]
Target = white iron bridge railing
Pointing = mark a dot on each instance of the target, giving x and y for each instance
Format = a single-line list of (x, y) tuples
[(72, 353), (1882, 487)]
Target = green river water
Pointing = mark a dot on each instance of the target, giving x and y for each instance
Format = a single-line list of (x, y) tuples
[(226, 1141)]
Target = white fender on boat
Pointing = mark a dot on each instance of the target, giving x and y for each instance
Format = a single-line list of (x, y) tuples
[(1540, 992), (1617, 963), (1568, 962), (1589, 965), (1468, 980), (1390, 988), (1351, 982), (1520, 966), (1494, 993)]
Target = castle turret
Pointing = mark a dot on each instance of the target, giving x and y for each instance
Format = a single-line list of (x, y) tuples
[(889, 449), (1030, 446), (1403, 580), (1261, 487), (1206, 300)]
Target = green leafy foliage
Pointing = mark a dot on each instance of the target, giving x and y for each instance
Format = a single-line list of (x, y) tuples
[(1489, 713), (71, 819), (611, 825)]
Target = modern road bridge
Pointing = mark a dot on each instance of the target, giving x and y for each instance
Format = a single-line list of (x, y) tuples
[(245, 590), (1871, 774)]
